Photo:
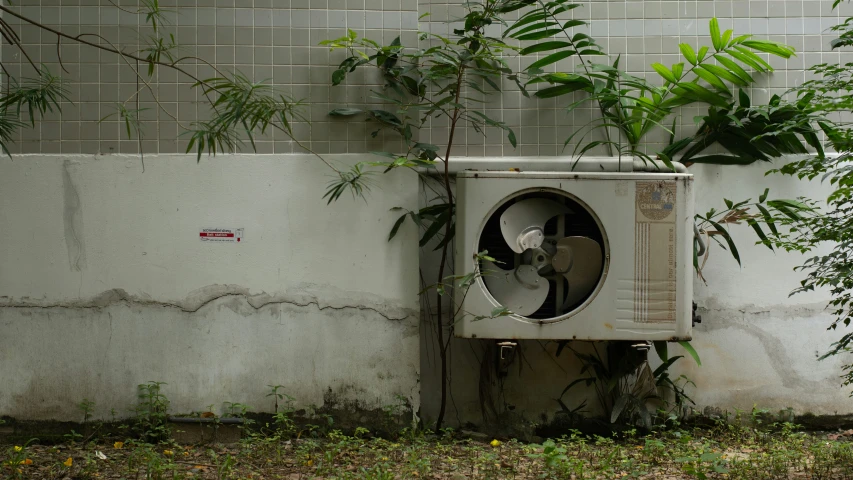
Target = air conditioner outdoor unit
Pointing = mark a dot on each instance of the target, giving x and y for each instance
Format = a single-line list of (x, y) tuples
[(586, 256)]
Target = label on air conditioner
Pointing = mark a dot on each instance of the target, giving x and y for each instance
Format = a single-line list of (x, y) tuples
[(654, 260)]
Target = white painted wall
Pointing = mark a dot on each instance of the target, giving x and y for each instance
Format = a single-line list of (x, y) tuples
[(105, 284)]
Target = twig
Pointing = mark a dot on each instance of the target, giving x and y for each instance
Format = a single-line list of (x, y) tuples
[(59, 55)]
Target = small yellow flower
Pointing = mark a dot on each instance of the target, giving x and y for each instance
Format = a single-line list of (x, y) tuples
[(309, 463), (384, 459), (18, 448), (118, 445), (68, 462), (186, 454), (168, 452), (26, 461), (495, 443)]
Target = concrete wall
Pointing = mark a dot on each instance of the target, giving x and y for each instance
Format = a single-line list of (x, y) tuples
[(105, 284)]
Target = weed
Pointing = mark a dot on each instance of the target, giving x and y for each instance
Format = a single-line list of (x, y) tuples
[(151, 413)]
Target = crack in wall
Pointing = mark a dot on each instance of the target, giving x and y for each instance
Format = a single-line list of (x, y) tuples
[(72, 216), (210, 294)]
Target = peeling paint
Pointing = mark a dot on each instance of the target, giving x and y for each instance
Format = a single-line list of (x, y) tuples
[(744, 319)]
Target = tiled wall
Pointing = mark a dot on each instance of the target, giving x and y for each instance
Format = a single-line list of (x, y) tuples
[(264, 39), (644, 32), (278, 40)]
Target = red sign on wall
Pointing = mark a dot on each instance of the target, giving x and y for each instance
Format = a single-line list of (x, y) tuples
[(221, 235)]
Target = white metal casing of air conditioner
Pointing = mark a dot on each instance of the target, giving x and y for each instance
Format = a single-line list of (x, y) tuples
[(646, 290)]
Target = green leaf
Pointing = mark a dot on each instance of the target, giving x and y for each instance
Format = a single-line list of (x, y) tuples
[(698, 92), (711, 79), (345, 112), (661, 348), (664, 72), (743, 99), (561, 90), (435, 227), (728, 239), (727, 35), (387, 117), (735, 68), (691, 351), (539, 35), (544, 46), (725, 74), (750, 58), (688, 53), (773, 48), (526, 19), (716, 40), (768, 219), (665, 366), (553, 58), (397, 226), (573, 23), (510, 135), (338, 76), (758, 231)]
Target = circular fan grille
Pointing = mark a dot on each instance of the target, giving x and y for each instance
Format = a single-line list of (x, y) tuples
[(550, 254)]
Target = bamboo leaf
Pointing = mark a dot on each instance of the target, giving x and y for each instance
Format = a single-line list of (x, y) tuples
[(712, 79), (728, 239), (727, 35), (692, 351), (661, 348), (539, 35), (699, 92), (773, 48), (688, 53), (345, 112), (552, 58), (716, 40), (560, 90), (725, 74), (758, 231), (397, 226), (735, 68), (544, 46), (768, 219), (664, 72), (573, 23), (531, 17)]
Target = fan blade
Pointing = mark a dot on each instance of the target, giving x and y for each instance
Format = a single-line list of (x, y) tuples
[(579, 259), (523, 223), (522, 290)]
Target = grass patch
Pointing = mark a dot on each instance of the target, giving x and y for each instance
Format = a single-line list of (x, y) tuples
[(722, 451)]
